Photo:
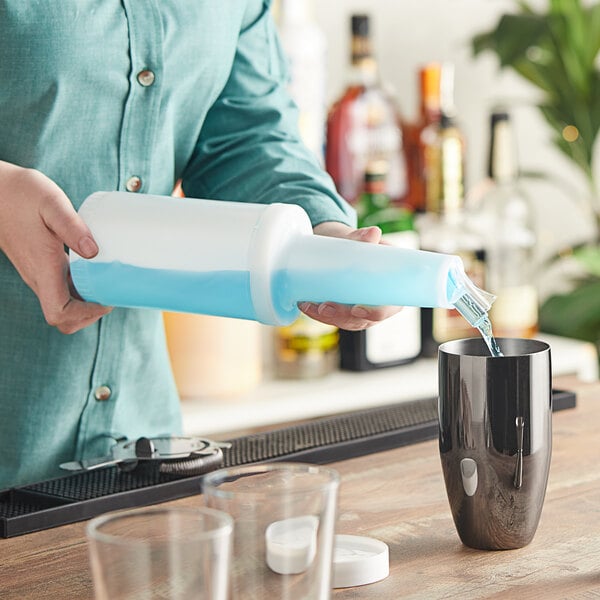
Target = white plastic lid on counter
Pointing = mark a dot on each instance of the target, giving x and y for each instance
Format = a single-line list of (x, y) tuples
[(359, 560), (291, 546)]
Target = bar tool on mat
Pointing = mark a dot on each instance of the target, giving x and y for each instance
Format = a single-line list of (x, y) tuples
[(172, 454)]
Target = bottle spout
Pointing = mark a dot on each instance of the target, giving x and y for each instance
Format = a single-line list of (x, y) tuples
[(470, 301)]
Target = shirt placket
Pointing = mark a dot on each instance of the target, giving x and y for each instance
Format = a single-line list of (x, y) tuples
[(135, 145), (141, 113)]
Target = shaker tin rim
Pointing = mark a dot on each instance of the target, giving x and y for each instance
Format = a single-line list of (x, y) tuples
[(511, 347)]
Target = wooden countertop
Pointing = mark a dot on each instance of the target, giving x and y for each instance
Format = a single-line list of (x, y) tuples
[(399, 497)]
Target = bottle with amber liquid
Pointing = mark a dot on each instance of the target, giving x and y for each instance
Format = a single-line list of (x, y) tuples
[(417, 134), (397, 340), (504, 214), (364, 125), (446, 226)]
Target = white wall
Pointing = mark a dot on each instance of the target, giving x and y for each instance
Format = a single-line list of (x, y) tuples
[(408, 33)]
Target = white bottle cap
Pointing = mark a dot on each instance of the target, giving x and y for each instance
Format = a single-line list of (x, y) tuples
[(359, 560)]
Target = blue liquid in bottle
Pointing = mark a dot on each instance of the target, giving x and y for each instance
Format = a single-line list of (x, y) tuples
[(221, 293)]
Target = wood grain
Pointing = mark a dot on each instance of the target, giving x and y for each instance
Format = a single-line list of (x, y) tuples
[(399, 497)]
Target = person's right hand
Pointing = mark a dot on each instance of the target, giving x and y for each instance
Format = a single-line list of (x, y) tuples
[(36, 221)]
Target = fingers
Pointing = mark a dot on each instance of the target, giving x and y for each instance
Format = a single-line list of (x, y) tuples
[(348, 317), (78, 315), (372, 235), (36, 221), (351, 318), (335, 229), (60, 309)]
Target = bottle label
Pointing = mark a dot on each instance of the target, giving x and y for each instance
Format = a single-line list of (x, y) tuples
[(306, 349), (375, 135), (398, 338)]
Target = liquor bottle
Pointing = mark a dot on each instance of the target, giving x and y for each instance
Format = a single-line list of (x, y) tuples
[(446, 227), (364, 124), (397, 340), (306, 348), (505, 216), (374, 206), (416, 135), (443, 148)]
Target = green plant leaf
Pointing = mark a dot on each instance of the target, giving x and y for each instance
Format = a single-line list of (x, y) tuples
[(593, 33), (576, 314), (556, 51), (570, 29), (578, 151), (525, 8), (568, 33), (589, 258), (511, 37), (537, 74), (594, 112)]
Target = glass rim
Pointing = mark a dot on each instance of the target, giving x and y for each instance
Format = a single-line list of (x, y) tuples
[(453, 347), (211, 481), (222, 529)]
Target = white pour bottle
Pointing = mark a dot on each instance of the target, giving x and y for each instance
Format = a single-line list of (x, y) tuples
[(250, 261)]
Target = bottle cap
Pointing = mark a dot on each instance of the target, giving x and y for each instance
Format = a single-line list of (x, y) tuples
[(429, 76), (359, 560), (360, 25)]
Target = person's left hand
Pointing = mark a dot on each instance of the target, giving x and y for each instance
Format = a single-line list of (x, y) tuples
[(345, 316)]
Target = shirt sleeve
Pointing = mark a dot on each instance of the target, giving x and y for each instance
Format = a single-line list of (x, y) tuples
[(249, 148)]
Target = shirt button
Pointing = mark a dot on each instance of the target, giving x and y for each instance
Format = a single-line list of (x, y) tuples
[(102, 392), (145, 77), (133, 184)]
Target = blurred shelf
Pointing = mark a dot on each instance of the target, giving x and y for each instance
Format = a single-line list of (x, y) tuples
[(282, 401)]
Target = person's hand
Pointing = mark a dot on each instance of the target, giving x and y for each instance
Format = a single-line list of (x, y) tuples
[(344, 316), (36, 221)]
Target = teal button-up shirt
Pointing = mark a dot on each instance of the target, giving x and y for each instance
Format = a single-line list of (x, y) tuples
[(94, 94)]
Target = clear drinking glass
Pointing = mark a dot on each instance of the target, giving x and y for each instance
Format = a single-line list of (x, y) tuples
[(152, 553), (284, 516)]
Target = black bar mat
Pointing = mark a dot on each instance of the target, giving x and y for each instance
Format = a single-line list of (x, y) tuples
[(80, 496)]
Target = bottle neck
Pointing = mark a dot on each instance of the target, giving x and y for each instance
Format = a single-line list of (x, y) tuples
[(376, 186), (363, 66), (374, 197), (447, 105), (502, 163), (448, 196), (430, 101), (363, 72)]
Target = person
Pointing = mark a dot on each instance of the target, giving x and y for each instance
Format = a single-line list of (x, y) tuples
[(132, 96)]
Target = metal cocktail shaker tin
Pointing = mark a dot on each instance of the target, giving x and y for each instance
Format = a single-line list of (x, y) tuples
[(495, 438)]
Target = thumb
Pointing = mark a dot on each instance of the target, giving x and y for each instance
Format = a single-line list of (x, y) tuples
[(60, 217)]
